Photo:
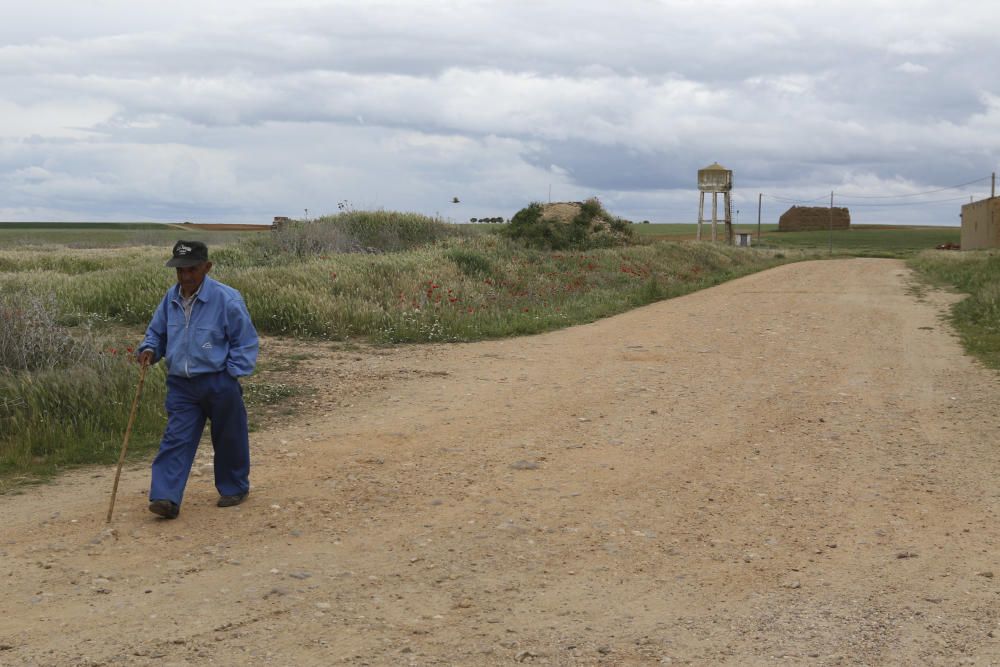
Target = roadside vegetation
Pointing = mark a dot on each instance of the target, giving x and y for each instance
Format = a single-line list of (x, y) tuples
[(583, 226), (977, 317), (461, 287), (65, 394)]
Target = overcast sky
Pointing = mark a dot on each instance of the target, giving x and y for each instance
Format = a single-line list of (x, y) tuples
[(240, 110)]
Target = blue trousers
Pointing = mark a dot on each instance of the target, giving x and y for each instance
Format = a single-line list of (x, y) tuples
[(190, 401)]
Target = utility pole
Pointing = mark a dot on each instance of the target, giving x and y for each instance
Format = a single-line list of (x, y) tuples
[(760, 196), (831, 222)]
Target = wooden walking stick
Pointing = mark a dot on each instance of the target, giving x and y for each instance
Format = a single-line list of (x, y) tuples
[(128, 432)]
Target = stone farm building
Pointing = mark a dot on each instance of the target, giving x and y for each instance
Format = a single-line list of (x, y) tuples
[(813, 218), (981, 224)]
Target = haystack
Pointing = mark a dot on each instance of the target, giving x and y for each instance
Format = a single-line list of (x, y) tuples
[(813, 218)]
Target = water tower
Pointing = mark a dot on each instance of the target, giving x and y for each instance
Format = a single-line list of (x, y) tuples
[(715, 179)]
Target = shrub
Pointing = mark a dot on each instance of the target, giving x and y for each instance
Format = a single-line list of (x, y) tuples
[(64, 397), (470, 262), (349, 231), (568, 226), (31, 339)]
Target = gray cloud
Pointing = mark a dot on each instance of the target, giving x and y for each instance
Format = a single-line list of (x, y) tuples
[(243, 110)]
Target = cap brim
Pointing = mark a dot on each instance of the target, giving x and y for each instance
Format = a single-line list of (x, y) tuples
[(183, 261)]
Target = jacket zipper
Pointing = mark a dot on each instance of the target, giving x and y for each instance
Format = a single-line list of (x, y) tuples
[(187, 333)]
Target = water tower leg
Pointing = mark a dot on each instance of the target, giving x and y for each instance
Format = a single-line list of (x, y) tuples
[(715, 215), (701, 212), (729, 219)]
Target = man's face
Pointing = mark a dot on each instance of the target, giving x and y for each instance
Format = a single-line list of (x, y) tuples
[(190, 277)]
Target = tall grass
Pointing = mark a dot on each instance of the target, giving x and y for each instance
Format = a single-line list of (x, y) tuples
[(30, 340), (463, 289), (64, 398), (347, 232), (458, 289), (977, 317)]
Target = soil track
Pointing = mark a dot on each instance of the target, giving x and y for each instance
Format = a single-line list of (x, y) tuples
[(797, 467)]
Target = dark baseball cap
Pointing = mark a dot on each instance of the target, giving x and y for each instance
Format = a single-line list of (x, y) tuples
[(188, 253)]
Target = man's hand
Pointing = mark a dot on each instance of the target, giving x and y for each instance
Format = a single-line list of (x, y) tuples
[(146, 357)]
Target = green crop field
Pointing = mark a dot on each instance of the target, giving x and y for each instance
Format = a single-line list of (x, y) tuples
[(106, 234), (860, 240), (864, 240), (676, 231)]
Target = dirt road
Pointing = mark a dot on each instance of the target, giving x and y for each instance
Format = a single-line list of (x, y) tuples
[(797, 467)]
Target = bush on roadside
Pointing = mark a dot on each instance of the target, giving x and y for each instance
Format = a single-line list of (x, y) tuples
[(977, 317), (31, 339), (64, 398), (571, 226), (349, 231)]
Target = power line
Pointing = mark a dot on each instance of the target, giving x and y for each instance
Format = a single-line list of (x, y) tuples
[(916, 194), (796, 201), (843, 196), (912, 203)]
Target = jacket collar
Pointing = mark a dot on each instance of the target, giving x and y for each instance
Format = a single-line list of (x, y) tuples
[(208, 287)]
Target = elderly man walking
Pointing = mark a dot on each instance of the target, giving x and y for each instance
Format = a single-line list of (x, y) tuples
[(203, 330)]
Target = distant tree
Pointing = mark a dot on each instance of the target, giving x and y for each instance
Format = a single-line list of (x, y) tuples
[(473, 219)]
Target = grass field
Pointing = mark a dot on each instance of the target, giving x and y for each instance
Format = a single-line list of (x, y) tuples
[(106, 234), (690, 231), (859, 240), (867, 241)]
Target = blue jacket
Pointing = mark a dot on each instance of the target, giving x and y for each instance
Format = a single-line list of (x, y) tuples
[(219, 337)]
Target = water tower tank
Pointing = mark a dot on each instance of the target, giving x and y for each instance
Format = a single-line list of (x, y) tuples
[(715, 178)]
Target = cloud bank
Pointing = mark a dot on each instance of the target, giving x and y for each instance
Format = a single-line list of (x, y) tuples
[(239, 111)]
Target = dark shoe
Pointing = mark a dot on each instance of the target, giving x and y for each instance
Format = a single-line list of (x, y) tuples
[(229, 501), (165, 508)]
